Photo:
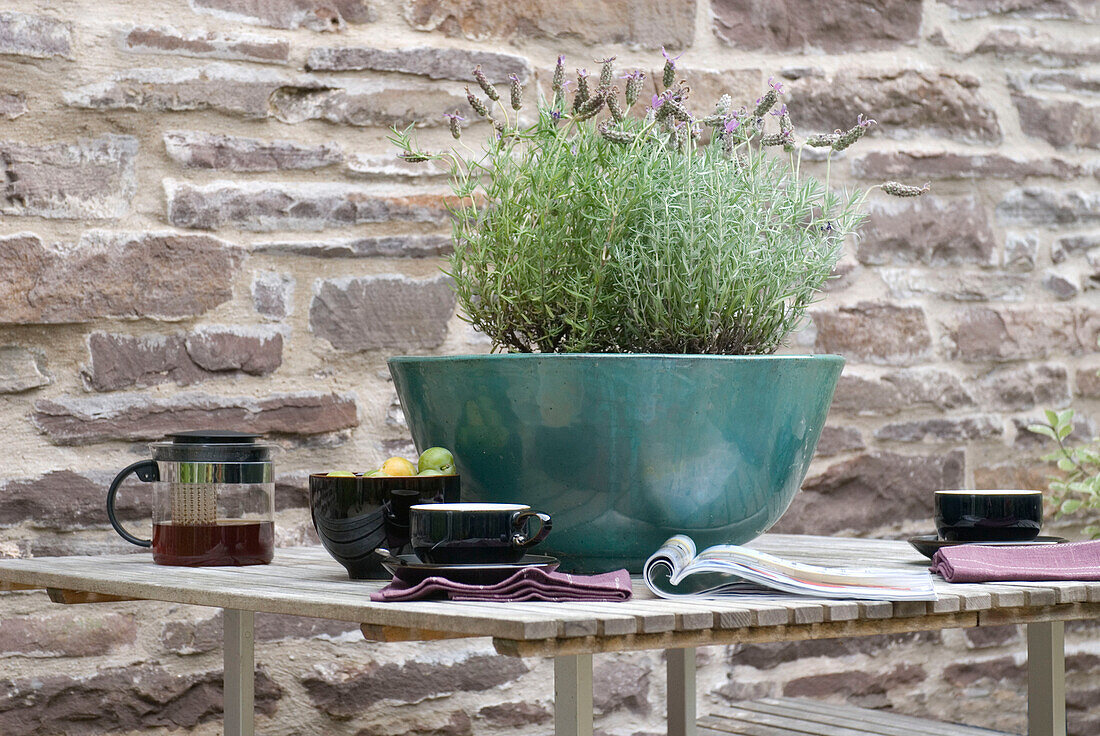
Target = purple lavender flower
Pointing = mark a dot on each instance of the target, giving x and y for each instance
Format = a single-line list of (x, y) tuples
[(633, 86), (779, 111), (453, 119), (670, 68), (559, 75), (606, 71), (516, 92), (732, 124), (777, 86), (865, 123)]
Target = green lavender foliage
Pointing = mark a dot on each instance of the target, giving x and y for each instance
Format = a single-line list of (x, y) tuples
[(567, 241), (1076, 489)]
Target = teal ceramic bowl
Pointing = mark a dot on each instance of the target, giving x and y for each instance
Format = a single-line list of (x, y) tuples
[(625, 450)]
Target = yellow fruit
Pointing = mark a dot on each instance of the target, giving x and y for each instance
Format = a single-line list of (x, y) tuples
[(398, 466)]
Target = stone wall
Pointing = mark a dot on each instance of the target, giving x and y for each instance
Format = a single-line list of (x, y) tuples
[(201, 213)]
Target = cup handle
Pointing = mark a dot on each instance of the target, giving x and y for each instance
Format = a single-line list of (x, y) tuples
[(146, 470), (519, 528)]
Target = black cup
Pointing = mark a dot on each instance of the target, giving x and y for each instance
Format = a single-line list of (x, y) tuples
[(988, 516), (474, 533)]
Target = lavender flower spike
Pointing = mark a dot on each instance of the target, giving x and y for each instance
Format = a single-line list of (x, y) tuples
[(559, 74), (613, 104), (898, 189), (633, 86), (489, 90), (453, 119), (670, 68), (607, 71), (476, 104), (853, 134), (516, 92), (582, 90)]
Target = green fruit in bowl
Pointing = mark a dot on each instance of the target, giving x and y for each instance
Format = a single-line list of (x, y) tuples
[(429, 471), (436, 458), (341, 474)]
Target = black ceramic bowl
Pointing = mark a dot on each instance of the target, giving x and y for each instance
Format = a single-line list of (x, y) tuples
[(988, 516), (356, 515)]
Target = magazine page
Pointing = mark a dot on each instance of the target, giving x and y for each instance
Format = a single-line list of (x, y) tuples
[(734, 570)]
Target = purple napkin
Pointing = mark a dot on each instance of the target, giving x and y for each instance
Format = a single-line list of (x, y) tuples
[(974, 563), (530, 584)]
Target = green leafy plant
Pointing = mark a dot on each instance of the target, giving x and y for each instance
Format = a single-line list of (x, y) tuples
[(1077, 489), (586, 229)]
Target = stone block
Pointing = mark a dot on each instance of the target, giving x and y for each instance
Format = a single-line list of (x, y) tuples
[(987, 637), (968, 286), (13, 105), (1024, 473), (1045, 206), (67, 634), (243, 91), (1044, 9), (345, 694), (1088, 382), (21, 370), (66, 501), (387, 166), (108, 274), (854, 683), (514, 714), (1021, 251), (379, 102), (71, 420), (943, 429), (620, 685), (201, 150), (871, 490), (315, 15), (204, 44), (35, 36), (873, 332), (806, 25), (273, 294), (905, 103), (267, 206), (384, 311), (89, 179), (922, 165), (1070, 245), (205, 634), (379, 246), (256, 351), (838, 441), (928, 230), (1061, 123), (124, 699), (1067, 82), (768, 656), (427, 61), (965, 674), (1064, 287), (1019, 388), (1033, 46), (996, 333), (645, 23)]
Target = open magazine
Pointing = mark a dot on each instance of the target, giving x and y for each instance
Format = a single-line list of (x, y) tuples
[(676, 570)]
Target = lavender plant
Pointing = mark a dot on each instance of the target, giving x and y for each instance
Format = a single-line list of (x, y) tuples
[(594, 230)]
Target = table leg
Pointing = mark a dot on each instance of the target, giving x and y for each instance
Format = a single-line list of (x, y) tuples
[(1046, 678), (680, 685), (573, 695), (239, 670)]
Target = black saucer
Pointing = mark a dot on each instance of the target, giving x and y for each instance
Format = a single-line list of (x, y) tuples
[(927, 544), (410, 569)]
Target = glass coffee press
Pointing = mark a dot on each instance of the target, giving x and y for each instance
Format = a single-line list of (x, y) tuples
[(213, 499)]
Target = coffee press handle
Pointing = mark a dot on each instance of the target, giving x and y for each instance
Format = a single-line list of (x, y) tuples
[(145, 470), (519, 528)]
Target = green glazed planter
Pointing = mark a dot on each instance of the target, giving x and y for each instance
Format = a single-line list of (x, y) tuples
[(625, 450)]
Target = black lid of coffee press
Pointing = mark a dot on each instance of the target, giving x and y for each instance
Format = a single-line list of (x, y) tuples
[(212, 446)]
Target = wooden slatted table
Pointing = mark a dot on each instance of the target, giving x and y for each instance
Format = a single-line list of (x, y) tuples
[(307, 582)]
